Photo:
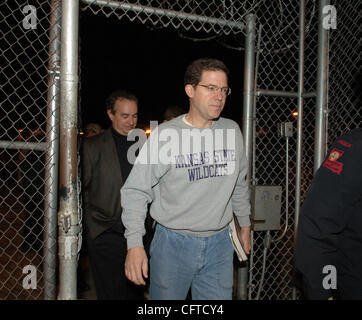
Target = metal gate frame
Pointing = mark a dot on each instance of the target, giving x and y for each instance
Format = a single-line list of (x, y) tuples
[(68, 212), (251, 92)]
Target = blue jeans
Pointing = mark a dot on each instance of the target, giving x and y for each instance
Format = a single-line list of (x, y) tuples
[(179, 262)]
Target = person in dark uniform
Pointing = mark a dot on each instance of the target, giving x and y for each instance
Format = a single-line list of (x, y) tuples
[(105, 169), (329, 240)]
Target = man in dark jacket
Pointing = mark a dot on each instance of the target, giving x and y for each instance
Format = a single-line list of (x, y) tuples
[(105, 169), (329, 239)]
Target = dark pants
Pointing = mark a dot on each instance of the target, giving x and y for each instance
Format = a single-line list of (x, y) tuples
[(107, 255)]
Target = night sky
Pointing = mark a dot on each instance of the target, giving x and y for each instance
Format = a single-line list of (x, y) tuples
[(148, 61)]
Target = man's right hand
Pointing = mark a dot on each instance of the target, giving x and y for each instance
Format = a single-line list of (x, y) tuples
[(136, 265)]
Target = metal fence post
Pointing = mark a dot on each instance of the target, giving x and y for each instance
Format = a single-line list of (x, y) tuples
[(300, 110), (322, 89), (68, 200), (248, 120), (299, 161), (52, 155)]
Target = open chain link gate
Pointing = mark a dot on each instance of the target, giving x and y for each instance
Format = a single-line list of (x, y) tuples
[(30, 61), (277, 84), (29, 137)]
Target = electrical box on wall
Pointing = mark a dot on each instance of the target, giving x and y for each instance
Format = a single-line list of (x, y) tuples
[(265, 207)]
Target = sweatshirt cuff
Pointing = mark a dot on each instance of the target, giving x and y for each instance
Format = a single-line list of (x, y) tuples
[(134, 241), (244, 221)]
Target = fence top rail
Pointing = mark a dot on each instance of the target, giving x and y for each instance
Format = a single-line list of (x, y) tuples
[(113, 4)]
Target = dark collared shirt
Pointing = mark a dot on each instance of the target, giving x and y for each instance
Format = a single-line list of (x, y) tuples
[(122, 146)]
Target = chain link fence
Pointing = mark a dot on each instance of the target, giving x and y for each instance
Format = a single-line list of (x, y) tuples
[(345, 101), (28, 96), (27, 195), (275, 155)]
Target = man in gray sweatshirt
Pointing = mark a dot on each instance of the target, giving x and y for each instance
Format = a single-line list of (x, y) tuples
[(192, 169)]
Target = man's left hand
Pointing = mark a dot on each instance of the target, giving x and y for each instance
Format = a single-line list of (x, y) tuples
[(245, 239)]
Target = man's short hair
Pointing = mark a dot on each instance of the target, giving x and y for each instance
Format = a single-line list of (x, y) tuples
[(92, 129), (172, 112), (119, 94), (195, 69)]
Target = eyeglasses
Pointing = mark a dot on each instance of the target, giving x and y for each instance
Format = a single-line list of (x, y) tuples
[(225, 91)]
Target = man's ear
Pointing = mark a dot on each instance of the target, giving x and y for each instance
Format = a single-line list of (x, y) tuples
[(189, 89), (110, 114)]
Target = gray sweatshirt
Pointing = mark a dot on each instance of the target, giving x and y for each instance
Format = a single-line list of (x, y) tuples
[(194, 178)]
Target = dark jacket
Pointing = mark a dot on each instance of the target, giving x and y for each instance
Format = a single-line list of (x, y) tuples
[(102, 182), (330, 224)]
